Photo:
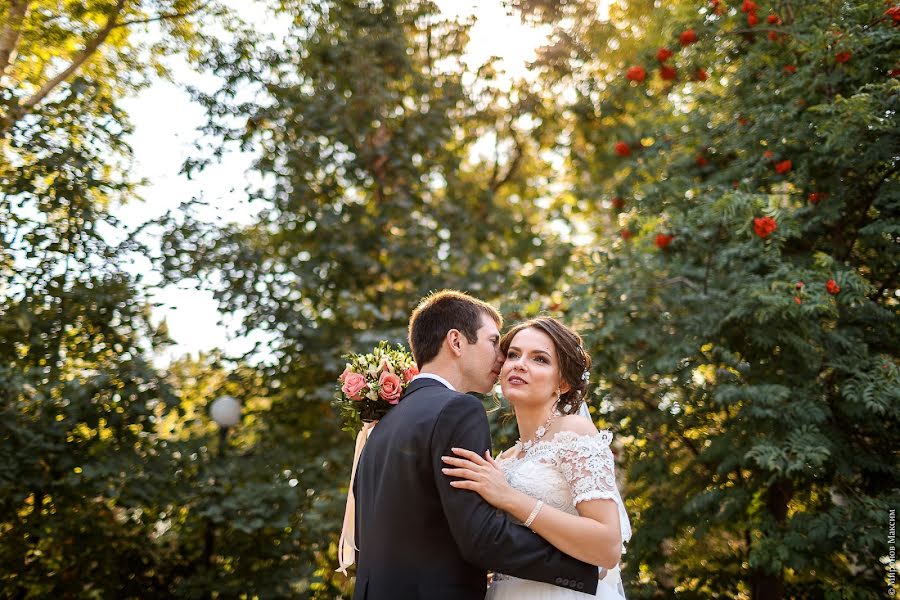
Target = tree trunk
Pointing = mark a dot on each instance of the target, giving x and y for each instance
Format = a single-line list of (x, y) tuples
[(12, 30), (770, 586)]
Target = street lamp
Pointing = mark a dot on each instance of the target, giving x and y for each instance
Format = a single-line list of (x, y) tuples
[(226, 412)]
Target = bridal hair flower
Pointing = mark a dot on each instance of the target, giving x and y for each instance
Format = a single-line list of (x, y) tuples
[(586, 376)]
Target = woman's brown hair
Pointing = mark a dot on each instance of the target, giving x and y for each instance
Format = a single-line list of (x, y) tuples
[(574, 362)]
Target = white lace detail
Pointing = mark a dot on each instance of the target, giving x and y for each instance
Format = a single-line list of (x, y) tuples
[(567, 469)]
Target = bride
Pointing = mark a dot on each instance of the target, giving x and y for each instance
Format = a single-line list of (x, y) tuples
[(558, 479)]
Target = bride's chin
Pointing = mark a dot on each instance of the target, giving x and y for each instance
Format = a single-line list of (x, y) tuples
[(517, 398), (511, 395)]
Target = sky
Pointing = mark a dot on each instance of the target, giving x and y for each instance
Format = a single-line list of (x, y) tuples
[(165, 129)]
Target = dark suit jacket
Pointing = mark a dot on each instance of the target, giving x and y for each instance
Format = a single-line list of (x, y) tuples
[(421, 538)]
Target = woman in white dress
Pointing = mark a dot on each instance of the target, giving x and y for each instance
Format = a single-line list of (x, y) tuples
[(559, 477)]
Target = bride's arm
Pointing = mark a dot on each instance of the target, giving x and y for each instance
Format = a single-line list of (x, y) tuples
[(592, 536)]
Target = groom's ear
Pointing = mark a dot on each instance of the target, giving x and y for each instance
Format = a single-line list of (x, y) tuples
[(454, 341)]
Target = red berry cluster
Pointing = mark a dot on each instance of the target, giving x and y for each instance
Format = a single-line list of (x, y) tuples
[(783, 166), (636, 74), (749, 8), (816, 197), (667, 72), (764, 226), (893, 13), (831, 286), (663, 240)]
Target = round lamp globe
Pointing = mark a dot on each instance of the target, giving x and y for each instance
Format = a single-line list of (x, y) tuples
[(225, 411)]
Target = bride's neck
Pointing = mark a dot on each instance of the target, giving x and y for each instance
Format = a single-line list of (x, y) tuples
[(530, 418)]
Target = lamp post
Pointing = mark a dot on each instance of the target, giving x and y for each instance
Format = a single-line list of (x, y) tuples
[(226, 412)]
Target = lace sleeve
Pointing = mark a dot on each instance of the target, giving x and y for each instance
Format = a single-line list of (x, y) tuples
[(588, 465)]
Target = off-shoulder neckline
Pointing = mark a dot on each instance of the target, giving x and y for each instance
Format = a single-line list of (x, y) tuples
[(604, 434)]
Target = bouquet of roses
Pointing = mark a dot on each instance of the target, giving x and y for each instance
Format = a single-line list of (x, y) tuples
[(369, 387), (372, 383)]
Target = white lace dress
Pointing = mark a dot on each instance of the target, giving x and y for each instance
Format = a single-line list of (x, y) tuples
[(566, 469)]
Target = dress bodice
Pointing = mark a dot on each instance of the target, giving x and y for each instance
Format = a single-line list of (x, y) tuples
[(563, 471), (567, 469)]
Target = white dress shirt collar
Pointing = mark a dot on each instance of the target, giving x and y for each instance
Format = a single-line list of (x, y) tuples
[(436, 378)]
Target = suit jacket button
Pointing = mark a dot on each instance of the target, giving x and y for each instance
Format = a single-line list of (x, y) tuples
[(565, 582), (559, 580), (572, 585), (580, 585)]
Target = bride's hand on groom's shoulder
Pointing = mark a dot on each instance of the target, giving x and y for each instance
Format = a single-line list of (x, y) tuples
[(481, 475)]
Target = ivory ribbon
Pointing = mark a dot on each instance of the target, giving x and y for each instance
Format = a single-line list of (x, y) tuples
[(347, 546)]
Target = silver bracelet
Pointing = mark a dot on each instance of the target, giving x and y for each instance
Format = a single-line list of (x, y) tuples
[(534, 513)]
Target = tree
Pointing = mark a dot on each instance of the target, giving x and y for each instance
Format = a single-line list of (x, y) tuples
[(740, 298), (83, 467), (367, 134)]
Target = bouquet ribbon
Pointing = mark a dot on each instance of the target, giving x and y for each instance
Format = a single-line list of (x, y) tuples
[(347, 544)]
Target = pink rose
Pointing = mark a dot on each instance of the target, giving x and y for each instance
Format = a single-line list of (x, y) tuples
[(385, 365), (390, 387), (353, 385), (346, 372), (410, 372)]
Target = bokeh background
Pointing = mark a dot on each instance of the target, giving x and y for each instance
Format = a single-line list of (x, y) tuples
[(210, 198)]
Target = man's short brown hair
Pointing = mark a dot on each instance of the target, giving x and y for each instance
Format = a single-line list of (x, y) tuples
[(440, 312)]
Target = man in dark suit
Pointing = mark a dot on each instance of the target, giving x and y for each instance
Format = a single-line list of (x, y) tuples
[(418, 536)]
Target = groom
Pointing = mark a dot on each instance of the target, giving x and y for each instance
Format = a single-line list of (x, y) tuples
[(418, 536)]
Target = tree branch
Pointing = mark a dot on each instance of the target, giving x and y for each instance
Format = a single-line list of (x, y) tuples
[(496, 183), (79, 60), (12, 29), (163, 17)]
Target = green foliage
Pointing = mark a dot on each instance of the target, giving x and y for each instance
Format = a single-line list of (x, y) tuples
[(755, 404), (367, 138), (86, 481), (755, 408)]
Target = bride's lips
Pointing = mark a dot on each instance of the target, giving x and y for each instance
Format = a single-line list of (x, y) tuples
[(515, 380)]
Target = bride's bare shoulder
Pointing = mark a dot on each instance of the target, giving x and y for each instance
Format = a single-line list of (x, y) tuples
[(577, 424), (508, 453)]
